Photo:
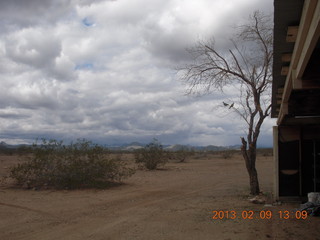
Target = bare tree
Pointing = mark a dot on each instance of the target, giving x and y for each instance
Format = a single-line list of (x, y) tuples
[(247, 65)]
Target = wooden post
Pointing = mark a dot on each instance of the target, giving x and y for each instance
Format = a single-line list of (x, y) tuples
[(276, 163), (300, 159)]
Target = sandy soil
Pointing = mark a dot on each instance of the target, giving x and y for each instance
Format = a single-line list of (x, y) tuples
[(173, 203)]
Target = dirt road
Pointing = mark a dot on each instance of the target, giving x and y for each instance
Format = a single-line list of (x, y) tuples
[(173, 203)]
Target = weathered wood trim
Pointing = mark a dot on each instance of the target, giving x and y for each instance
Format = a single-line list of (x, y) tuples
[(296, 82), (284, 71), (287, 89), (279, 96), (292, 34), (283, 111), (286, 57), (305, 21), (311, 39), (300, 160)]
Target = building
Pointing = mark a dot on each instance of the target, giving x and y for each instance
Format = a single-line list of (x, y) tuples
[(296, 97)]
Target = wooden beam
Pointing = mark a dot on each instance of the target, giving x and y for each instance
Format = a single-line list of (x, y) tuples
[(283, 112), (284, 71), (279, 96), (292, 34), (310, 42), (287, 88), (280, 90), (289, 133), (303, 121), (296, 82), (286, 57), (310, 84), (276, 163)]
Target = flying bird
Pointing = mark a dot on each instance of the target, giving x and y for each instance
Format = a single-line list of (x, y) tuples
[(225, 104), (231, 105)]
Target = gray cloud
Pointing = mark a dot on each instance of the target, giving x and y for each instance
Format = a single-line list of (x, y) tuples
[(33, 47), (103, 70), (20, 13)]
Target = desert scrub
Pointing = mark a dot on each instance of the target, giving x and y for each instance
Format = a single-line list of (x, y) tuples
[(180, 155), (227, 154), (151, 156), (266, 152), (80, 164)]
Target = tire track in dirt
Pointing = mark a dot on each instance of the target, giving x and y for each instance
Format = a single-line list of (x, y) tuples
[(100, 221), (137, 199), (28, 209)]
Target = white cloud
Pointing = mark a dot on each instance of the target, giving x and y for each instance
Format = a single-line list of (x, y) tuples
[(64, 67), (32, 46)]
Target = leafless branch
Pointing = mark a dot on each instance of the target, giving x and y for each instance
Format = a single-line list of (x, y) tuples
[(249, 64)]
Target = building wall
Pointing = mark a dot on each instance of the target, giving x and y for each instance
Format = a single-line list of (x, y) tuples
[(297, 160)]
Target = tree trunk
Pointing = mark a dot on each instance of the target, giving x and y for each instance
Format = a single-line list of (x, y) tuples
[(249, 156), (254, 182)]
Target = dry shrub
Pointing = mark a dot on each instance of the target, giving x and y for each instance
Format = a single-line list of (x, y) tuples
[(180, 155), (227, 154), (151, 156), (266, 152), (80, 164)]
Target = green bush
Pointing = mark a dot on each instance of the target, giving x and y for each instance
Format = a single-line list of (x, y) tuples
[(151, 156), (80, 164)]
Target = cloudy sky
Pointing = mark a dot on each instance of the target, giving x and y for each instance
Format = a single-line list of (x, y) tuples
[(105, 70)]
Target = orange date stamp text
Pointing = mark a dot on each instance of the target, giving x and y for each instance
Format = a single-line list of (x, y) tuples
[(263, 214)]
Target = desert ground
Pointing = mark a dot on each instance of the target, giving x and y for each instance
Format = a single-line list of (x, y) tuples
[(176, 202)]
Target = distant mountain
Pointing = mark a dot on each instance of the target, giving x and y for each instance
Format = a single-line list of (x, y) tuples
[(175, 147), (137, 145), (125, 147), (9, 147), (3, 144), (216, 148), (133, 146)]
